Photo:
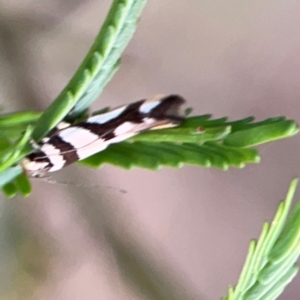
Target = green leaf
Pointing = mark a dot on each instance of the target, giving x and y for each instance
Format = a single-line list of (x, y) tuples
[(96, 69), (270, 264), (289, 237), (19, 118), (11, 157), (4, 145), (254, 136), (151, 155), (183, 135), (23, 185), (94, 73), (278, 287), (199, 140), (10, 190), (9, 175)]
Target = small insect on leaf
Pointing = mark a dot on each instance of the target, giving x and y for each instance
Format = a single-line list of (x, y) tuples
[(68, 144)]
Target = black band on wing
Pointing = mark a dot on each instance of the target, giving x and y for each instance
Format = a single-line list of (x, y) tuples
[(168, 108), (106, 130), (40, 157), (67, 150)]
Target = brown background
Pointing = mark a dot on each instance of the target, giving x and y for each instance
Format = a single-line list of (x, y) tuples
[(193, 225)]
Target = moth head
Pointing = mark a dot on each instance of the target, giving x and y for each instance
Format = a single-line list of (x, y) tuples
[(36, 169)]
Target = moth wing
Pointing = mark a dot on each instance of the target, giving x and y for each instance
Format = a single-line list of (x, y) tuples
[(70, 143)]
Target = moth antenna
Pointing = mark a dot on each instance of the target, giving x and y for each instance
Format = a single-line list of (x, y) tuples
[(50, 180)]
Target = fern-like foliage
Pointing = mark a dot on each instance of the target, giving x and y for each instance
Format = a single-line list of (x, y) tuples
[(199, 140), (271, 261), (97, 68), (85, 86)]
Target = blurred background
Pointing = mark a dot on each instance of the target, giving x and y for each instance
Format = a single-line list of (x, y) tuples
[(172, 234)]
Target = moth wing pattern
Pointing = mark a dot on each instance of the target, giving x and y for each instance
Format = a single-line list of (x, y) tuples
[(56, 130), (69, 143)]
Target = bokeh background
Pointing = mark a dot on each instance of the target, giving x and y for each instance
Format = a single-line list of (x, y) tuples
[(172, 234)]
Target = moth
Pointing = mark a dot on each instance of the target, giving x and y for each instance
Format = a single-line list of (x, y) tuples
[(68, 143)]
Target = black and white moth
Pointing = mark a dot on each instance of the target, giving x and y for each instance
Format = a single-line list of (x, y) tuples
[(68, 143)]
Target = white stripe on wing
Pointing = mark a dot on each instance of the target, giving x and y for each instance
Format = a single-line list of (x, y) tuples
[(78, 137)]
